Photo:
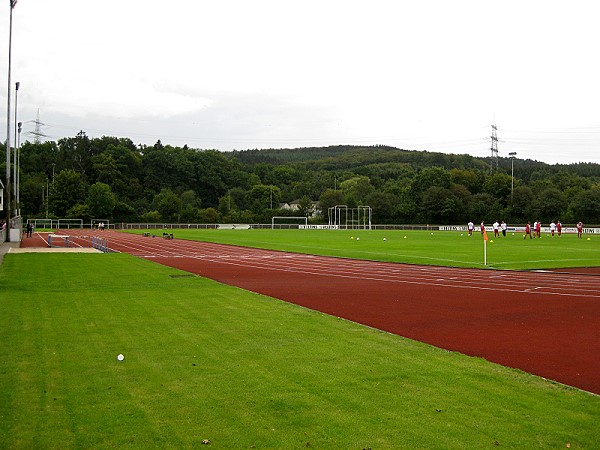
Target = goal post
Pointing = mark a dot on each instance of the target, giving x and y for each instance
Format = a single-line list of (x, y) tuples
[(343, 217), (274, 218)]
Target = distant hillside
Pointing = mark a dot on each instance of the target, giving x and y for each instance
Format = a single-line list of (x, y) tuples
[(348, 156), (345, 157)]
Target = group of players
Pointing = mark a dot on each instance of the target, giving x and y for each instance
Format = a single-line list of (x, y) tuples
[(535, 231), (531, 231)]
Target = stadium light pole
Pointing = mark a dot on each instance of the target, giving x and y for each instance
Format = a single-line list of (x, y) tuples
[(19, 128), (13, 3), (15, 150), (512, 172)]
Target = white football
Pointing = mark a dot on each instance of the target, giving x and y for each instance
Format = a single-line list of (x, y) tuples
[(120, 357)]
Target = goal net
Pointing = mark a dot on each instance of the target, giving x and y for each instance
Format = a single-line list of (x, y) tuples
[(288, 221), (345, 218)]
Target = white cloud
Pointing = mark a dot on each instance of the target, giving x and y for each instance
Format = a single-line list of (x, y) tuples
[(267, 73)]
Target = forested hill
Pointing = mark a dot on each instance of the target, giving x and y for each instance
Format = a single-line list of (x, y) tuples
[(343, 157), (117, 180), (349, 156)]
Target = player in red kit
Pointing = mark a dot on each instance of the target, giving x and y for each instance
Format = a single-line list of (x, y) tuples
[(527, 231)]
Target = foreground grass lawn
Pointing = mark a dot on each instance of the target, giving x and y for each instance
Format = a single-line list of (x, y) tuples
[(206, 361), (441, 248)]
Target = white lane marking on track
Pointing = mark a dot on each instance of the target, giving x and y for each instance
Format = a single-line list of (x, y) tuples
[(346, 268), (438, 284)]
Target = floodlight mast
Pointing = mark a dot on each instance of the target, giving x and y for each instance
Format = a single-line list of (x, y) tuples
[(8, 194), (15, 151)]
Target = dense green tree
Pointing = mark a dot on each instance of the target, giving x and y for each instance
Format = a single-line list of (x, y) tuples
[(124, 213), (586, 206), (215, 175), (262, 197), (483, 208), (168, 167), (407, 207), (39, 158), (105, 168), (521, 209), (472, 179), (305, 207), (357, 188), (328, 199), (209, 215), (549, 204), (190, 207), (238, 216), (101, 201), (168, 204), (307, 188), (384, 206), (76, 154), (439, 205), (79, 211), (498, 185), (32, 194), (462, 203), (66, 190)]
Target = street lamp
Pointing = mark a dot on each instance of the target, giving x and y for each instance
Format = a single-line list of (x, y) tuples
[(13, 3), (512, 176)]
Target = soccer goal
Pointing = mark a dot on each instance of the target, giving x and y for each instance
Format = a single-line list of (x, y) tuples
[(343, 217), (288, 221)]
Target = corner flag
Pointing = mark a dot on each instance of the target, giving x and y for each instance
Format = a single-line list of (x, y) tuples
[(485, 240)]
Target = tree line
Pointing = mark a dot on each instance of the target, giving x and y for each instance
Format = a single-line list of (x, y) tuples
[(115, 179)]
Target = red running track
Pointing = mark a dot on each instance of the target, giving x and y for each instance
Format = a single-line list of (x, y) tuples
[(547, 324)]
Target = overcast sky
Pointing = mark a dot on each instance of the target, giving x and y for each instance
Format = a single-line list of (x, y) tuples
[(242, 74)]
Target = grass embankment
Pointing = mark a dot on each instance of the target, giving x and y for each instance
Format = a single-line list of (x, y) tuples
[(442, 248), (207, 361)]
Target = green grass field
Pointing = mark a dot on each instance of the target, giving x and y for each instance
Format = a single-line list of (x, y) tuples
[(442, 248), (207, 361)]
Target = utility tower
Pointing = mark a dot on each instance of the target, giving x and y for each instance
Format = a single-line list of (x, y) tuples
[(494, 148), (37, 133)]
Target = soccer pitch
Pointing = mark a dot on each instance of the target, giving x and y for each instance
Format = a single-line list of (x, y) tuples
[(440, 248)]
